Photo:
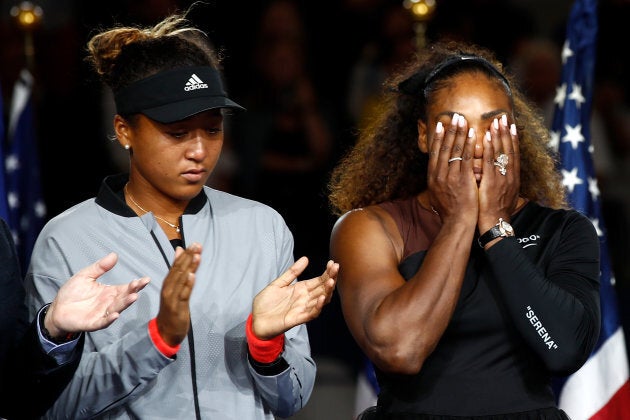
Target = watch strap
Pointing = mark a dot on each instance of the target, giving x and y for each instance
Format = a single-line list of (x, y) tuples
[(501, 229), (491, 234), (61, 340)]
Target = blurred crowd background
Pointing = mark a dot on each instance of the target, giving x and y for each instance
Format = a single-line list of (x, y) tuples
[(309, 73)]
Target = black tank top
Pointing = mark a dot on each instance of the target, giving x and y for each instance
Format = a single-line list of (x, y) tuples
[(481, 367)]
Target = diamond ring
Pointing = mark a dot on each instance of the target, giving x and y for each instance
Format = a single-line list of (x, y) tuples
[(501, 162)]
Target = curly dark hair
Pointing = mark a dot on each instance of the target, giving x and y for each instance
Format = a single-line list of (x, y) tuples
[(386, 164)]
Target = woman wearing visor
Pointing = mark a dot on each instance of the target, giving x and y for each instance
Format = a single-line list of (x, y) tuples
[(223, 335)]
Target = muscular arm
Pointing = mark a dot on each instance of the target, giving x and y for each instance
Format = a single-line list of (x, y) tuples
[(397, 323)]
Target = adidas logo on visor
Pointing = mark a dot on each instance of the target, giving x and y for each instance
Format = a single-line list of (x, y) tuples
[(195, 83)]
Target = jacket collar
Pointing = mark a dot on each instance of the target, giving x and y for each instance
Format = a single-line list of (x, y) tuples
[(112, 197)]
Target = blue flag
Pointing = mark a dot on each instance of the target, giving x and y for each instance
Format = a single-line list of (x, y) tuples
[(27, 211), (600, 389), (4, 210)]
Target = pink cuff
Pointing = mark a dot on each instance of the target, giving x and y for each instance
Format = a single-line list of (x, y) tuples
[(165, 349), (263, 351)]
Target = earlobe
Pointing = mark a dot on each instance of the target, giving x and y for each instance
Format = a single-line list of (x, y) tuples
[(121, 128), (423, 140)]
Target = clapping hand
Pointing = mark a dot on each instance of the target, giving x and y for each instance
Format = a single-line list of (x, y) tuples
[(285, 303), (173, 319), (84, 304)]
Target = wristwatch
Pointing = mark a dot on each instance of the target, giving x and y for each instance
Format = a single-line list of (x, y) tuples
[(501, 229)]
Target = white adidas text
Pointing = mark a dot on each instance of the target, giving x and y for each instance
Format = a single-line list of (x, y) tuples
[(197, 86)]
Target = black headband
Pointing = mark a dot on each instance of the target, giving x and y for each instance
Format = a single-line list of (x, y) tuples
[(420, 81), (174, 95)]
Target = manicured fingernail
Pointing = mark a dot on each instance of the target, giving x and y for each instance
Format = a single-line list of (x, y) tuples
[(488, 137), (455, 118), (504, 120), (495, 124), (461, 121), (513, 129), (471, 132), (438, 127)]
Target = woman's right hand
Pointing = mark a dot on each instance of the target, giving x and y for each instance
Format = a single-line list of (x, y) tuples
[(452, 185), (173, 319)]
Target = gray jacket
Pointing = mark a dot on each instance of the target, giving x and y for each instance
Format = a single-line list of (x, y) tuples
[(122, 375)]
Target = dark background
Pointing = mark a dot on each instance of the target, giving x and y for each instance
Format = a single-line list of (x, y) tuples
[(72, 120)]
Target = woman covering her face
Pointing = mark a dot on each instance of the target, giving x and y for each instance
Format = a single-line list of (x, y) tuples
[(466, 280)]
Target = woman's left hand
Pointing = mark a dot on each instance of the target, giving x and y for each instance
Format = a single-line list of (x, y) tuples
[(500, 185), (285, 303)]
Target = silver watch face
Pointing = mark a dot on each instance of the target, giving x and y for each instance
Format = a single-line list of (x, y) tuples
[(506, 228)]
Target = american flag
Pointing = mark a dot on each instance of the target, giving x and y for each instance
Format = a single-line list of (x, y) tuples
[(600, 390), (26, 208)]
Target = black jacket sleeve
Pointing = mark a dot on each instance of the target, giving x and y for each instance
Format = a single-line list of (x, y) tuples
[(554, 300), (36, 377), (30, 380)]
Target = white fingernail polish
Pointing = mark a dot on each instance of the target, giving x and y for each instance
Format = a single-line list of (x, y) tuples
[(513, 129), (438, 127), (471, 132), (488, 137)]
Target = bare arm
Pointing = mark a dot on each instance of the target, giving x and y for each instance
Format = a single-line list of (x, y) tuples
[(396, 322)]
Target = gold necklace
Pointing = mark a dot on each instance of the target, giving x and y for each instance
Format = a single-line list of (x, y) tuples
[(174, 226)]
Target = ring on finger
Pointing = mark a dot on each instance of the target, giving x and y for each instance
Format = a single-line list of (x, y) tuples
[(502, 161), (455, 158)]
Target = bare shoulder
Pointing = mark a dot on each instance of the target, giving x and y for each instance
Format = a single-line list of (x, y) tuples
[(363, 217), (366, 227)]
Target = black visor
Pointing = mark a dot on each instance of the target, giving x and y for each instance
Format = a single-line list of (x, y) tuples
[(175, 95)]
